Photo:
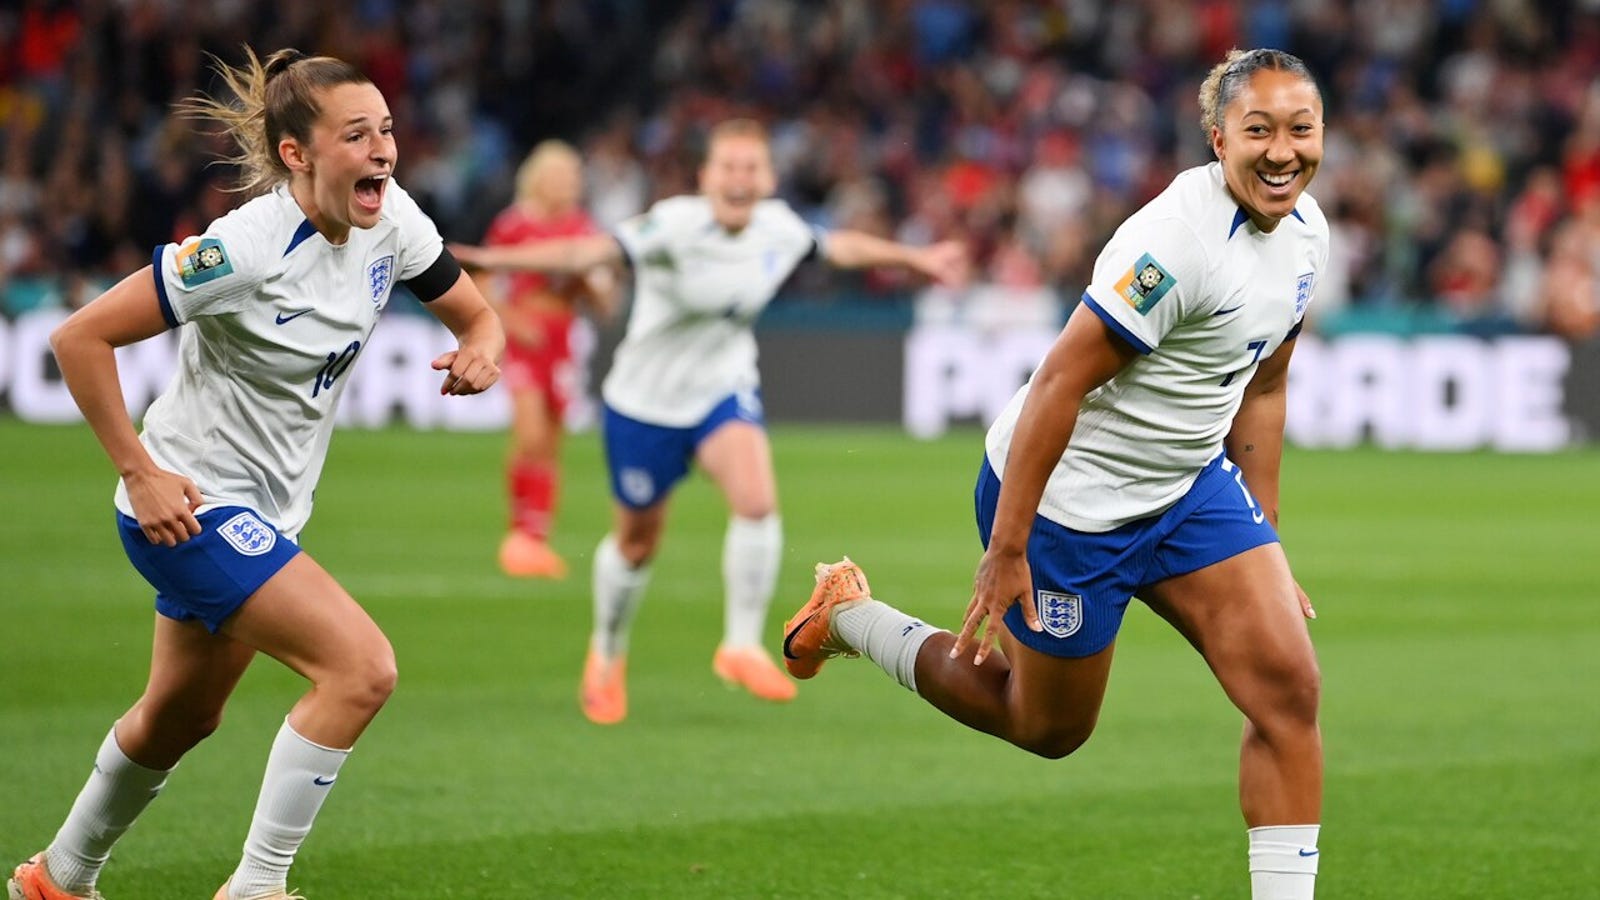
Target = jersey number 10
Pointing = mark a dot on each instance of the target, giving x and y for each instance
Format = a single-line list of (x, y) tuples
[(334, 367)]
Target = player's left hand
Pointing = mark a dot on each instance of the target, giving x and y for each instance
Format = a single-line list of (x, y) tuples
[(944, 262), (470, 371)]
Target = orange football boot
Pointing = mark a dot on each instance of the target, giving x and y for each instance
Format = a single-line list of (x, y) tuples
[(808, 639), (524, 556), (604, 693), (752, 669), (32, 881)]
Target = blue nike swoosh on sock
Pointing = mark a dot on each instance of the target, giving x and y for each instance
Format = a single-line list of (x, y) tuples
[(324, 782), (1304, 852)]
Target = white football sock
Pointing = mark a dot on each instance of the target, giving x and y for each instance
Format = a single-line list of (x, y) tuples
[(299, 776), (116, 793), (884, 635), (618, 588), (751, 555), (1283, 862)]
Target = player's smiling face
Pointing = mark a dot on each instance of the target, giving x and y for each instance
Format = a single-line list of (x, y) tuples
[(736, 176), (349, 159), (1270, 144)]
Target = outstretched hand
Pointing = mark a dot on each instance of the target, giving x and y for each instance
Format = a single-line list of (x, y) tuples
[(1002, 579), (945, 262), (164, 503), (469, 371)]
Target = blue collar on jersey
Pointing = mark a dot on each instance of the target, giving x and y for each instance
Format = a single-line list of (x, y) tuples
[(1240, 217), (307, 229)]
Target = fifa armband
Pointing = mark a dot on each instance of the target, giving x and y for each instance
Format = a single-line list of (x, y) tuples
[(437, 278)]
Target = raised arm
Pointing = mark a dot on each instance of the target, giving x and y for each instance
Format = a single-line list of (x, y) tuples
[(1084, 356), (944, 262), (558, 255), (163, 502)]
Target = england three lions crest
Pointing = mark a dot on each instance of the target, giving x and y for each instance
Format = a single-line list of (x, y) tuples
[(248, 534), (380, 274), (1060, 614), (1302, 293)]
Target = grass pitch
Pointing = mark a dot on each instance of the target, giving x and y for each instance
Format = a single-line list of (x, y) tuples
[(1459, 639)]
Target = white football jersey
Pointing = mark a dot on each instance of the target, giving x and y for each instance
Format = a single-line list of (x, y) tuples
[(272, 318), (698, 289), (1204, 296)]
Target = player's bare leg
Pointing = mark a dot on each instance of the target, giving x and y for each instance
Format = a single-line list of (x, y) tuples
[(303, 618), (1040, 703), (738, 459), (1244, 617), (1043, 704)]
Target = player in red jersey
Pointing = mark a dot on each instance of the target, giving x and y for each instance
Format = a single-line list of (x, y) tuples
[(538, 312)]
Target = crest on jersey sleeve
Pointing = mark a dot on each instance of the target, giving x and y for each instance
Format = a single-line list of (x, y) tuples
[(1060, 614), (202, 260), (248, 534), (1145, 284), (1302, 293), (379, 276)]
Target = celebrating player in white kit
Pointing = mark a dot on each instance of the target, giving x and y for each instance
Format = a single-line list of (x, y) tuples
[(684, 388), (274, 303), (1143, 458)]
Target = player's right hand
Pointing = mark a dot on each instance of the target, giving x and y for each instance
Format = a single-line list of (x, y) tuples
[(164, 503), (1003, 578)]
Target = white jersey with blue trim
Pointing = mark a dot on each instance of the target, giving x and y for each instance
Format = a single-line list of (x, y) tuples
[(1204, 296), (272, 316), (698, 289)]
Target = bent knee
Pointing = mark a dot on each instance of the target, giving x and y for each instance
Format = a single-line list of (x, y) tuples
[(1055, 741), (1291, 698), (368, 683)]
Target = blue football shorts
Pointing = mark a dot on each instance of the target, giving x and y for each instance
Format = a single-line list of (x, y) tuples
[(646, 460), (209, 576), (1082, 581)]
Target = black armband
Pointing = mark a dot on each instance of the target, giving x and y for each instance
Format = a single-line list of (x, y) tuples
[(437, 278)]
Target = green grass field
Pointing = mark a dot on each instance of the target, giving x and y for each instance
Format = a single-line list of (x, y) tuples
[(1459, 639)]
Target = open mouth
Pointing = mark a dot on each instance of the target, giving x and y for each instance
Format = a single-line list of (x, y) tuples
[(369, 191)]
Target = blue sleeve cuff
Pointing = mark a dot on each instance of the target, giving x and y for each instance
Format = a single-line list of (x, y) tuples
[(161, 288), (1295, 331), (1117, 327)]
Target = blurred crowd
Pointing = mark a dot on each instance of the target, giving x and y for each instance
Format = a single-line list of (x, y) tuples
[(1462, 176)]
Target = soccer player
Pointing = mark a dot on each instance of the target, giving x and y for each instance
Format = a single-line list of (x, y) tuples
[(683, 389), (1142, 459), (538, 311), (274, 303)]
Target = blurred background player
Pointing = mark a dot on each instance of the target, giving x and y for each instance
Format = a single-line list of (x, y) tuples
[(274, 301), (1142, 458), (538, 312), (683, 388)]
